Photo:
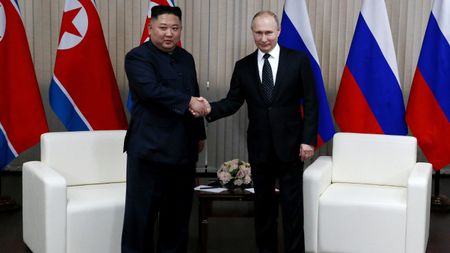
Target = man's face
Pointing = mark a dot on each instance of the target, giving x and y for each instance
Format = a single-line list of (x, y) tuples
[(265, 32), (165, 32)]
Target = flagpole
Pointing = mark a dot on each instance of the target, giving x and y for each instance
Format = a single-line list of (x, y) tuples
[(207, 83), (439, 202)]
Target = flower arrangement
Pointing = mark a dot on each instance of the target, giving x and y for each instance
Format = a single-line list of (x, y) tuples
[(235, 174)]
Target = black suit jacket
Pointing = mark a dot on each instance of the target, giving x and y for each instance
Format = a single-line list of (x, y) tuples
[(162, 129), (277, 125)]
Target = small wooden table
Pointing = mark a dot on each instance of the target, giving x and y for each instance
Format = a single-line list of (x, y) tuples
[(206, 210)]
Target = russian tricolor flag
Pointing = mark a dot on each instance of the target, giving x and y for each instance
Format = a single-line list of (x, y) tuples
[(22, 116), (370, 99), (428, 111), (83, 91), (146, 36), (296, 34)]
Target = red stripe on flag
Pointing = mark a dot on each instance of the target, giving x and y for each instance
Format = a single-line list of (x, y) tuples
[(160, 2), (428, 123), (21, 109), (319, 142), (351, 110), (145, 34)]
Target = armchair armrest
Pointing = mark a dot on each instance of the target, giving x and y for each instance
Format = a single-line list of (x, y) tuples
[(316, 178), (418, 208), (44, 208)]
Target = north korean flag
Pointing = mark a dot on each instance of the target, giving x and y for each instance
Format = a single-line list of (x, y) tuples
[(83, 90), (22, 116)]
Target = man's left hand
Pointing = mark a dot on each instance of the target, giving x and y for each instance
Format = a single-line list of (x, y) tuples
[(306, 151)]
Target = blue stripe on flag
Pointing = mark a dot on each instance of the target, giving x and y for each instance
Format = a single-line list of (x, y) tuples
[(290, 38), (376, 80), (64, 109), (17, 5), (434, 64), (6, 156), (130, 102)]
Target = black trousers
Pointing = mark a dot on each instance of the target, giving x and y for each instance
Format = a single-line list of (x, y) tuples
[(157, 191), (290, 176)]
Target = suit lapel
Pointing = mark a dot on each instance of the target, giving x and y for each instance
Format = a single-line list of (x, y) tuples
[(281, 72), (255, 75)]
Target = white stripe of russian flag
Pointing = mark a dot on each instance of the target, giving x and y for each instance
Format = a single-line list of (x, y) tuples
[(297, 12), (441, 12), (374, 13)]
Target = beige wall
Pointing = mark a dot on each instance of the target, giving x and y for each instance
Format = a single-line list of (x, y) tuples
[(217, 33)]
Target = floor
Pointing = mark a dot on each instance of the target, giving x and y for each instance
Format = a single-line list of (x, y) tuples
[(225, 234)]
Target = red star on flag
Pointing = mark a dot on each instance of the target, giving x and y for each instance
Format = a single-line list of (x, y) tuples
[(67, 23)]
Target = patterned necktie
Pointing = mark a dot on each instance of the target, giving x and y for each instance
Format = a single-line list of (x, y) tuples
[(267, 79)]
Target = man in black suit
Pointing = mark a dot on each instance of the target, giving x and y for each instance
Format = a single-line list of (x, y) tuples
[(163, 139), (273, 80)]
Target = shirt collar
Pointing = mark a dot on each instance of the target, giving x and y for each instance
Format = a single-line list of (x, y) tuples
[(275, 53)]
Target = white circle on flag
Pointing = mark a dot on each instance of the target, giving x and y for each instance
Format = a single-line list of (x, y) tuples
[(2, 22), (80, 22)]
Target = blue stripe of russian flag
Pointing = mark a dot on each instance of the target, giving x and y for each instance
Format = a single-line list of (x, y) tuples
[(434, 64), (376, 80), (290, 38)]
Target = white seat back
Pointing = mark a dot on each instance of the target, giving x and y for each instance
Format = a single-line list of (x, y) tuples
[(373, 159), (86, 157)]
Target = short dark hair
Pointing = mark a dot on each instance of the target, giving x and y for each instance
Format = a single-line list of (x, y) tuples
[(163, 9), (266, 13)]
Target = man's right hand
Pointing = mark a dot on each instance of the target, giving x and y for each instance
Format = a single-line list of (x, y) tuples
[(199, 107)]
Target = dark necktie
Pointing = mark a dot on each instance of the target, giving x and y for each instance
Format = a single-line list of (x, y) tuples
[(267, 79)]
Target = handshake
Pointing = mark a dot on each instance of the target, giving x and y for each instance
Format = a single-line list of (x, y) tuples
[(199, 107)]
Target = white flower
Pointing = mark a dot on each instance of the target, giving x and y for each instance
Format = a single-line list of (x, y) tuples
[(235, 172), (240, 174), (238, 182), (224, 176)]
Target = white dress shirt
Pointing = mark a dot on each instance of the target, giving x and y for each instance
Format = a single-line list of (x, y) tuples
[(273, 60)]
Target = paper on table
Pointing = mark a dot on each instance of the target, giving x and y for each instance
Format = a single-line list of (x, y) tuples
[(207, 188), (252, 190)]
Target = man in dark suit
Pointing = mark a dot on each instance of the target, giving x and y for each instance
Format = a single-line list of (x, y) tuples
[(163, 139), (273, 80)]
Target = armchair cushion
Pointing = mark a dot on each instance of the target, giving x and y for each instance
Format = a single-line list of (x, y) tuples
[(102, 205), (373, 216)]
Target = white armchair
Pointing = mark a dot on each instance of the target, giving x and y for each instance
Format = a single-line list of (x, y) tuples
[(73, 199), (370, 196)]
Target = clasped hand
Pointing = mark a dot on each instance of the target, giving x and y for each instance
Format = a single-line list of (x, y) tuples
[(199, 107)]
